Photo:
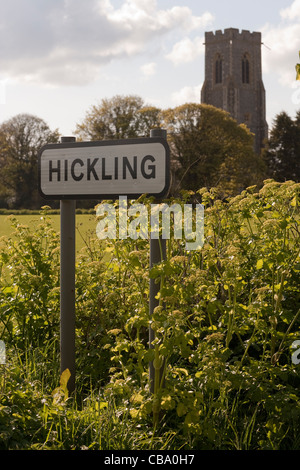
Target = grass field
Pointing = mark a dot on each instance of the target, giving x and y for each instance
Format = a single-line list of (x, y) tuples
[(85, 225)]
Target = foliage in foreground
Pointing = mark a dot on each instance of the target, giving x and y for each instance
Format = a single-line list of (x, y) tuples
[(228, 315)]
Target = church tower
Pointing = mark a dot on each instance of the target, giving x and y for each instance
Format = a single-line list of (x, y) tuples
[(233, 79)]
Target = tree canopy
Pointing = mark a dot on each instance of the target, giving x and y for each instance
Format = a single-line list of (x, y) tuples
[(208, 147), (282, 154), (121, 117), (212, 149), (21, 137)]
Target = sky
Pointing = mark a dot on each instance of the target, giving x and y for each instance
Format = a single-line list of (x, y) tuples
[(60, 57)]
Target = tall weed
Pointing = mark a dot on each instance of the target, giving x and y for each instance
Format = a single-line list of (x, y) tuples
[(227, 317)]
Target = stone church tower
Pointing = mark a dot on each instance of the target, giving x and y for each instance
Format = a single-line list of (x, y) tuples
[(233, 78)]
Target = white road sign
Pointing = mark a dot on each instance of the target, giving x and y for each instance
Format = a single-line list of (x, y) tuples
[(104, 169)]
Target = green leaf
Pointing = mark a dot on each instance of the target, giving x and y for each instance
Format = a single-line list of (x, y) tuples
[(181, 409), (298, 72), (259, 264), (61, 393), (134, 413), (184, 371), (64, 378), (167, 403), (137, 398)]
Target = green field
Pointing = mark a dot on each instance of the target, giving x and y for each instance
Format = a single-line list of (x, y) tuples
[(85, 225)]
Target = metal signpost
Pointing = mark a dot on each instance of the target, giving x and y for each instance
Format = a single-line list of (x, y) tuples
[(67, 285), (98, 170), (157, 254)]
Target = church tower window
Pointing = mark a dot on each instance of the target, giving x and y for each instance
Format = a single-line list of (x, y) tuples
[(218, 69), (245, 69)]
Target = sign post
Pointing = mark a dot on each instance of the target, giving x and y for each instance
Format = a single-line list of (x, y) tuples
[(67, 285), (157, 254), (99, 170)]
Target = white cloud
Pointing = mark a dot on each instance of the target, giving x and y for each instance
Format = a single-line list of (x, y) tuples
[(281, 54), (282, 40), (186, 50), (68, 41), (183, 17), (292, 12), (187, 94), (149, 69)]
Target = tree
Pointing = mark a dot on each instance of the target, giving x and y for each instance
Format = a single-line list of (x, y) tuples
[(208, 147), (121, 117), (211, 149), (21, 137), (282, 154)]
